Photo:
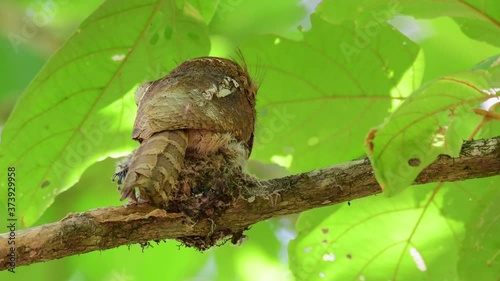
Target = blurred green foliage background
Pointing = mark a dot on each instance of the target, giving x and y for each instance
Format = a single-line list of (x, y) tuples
[(441, 48)]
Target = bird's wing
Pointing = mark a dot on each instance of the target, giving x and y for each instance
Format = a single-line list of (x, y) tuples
[(219, 106)]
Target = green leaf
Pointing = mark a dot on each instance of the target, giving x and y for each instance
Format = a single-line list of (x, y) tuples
[(75, 112), (480, 253), (319, 96), (412, 236), (479, 20), (490, 127), (433, 121), (237, 20)]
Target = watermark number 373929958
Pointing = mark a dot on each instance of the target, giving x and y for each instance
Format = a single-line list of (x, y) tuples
[(11, 217)]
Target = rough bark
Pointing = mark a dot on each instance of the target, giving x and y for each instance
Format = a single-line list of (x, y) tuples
[(106, 228)]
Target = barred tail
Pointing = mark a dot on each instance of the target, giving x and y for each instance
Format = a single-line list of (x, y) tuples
[(155, 167)]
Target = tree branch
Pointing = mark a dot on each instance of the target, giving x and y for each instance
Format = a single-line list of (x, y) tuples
[(109, 227)]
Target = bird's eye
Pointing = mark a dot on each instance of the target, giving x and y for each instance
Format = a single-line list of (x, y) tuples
[(140, 91)]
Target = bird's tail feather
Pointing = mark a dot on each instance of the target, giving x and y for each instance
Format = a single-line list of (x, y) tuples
[(155, 167)]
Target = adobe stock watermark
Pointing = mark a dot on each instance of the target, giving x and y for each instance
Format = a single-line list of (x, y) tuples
[(279, 120), (40, 14), (225, 7), (370, 30), (75, 155)]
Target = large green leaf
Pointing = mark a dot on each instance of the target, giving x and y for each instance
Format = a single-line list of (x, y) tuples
[(480, 20), (432, 121), (75, 111), (202, 8), (260, 251), (320, 96), (413, 236)]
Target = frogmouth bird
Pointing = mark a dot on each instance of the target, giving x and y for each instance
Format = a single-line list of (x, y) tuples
[(203, 107)]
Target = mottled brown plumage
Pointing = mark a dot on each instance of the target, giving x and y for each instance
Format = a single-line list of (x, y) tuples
[(203, 107)]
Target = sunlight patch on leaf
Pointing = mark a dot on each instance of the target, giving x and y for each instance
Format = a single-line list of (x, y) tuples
[(268, 268), (201, 9), (238, 20), (411, 80)]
